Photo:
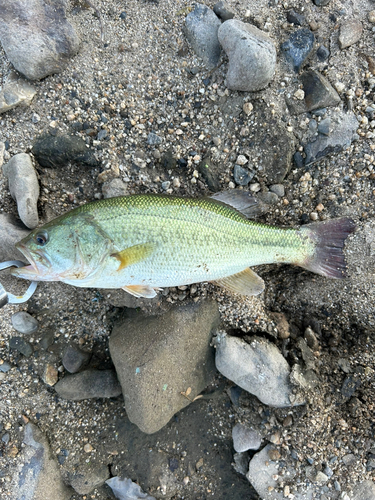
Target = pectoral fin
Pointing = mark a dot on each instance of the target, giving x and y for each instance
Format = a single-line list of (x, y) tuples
[(133, 254), (140, 291), (246, 283)]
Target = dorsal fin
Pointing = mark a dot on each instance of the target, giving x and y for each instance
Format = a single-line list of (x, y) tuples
[(242, 201)]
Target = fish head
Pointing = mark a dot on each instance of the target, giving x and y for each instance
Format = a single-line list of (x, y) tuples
[(59, 251)]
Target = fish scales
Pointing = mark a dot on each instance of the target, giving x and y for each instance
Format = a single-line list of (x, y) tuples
[(143, 242)]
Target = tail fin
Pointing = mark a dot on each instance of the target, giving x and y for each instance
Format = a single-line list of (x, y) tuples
[(329, 238)]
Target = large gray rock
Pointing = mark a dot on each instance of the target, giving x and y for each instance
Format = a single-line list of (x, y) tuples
[(245, 438), (38, 475), (89, 476), (11, 231), (258, 367), (24, 188), (251, 54), (201, 28), (16, 93), (36, 36), (89, 384), (364, 491), (343, 127), (158, 358)]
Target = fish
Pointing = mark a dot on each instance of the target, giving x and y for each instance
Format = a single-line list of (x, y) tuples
[(145, 242)]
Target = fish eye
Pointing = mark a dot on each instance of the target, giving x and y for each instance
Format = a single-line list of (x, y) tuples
[(41, 238)]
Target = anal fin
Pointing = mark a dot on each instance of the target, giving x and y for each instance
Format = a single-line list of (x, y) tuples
[(246, 283), (145, 291), (133, 254)]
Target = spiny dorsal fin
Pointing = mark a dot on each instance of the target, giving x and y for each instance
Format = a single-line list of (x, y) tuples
[(246, 283), (140, 291), (133, 254), (242, 201)]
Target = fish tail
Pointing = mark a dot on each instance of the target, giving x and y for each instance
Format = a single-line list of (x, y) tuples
[(328, 237)]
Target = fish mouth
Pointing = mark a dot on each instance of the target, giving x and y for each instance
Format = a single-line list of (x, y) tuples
[(32, 270)]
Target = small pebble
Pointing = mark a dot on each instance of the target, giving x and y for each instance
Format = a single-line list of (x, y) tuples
[(274, 454), (51, 375), (88, 448), (371, 16), (24, 323), (248, 108)]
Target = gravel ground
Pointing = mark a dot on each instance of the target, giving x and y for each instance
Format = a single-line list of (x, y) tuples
[(145, 78)]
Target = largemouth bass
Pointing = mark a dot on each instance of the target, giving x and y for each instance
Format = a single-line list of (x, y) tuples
[(142, 243)]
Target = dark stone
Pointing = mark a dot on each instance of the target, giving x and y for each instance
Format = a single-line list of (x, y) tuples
[(349, 386), (168, 161), (182, 163), (319, 93), (323, 53), (102, 134), (242, 176), (294, 17), (321, 3), (74, 358), (209, 173), (21, 346), (222, 11), (88, 477), (123, 15), (298, 47), (89, 384), (57, 151)]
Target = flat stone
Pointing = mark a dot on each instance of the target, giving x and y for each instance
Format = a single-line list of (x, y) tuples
[(296, 18), (242, 176), (56, 151), (364, 490), (89, 384), (321, 3), (298, 47), (258, 367), (319, 93), (36, 36), (245, 438), (158, 358), (74, 358), (125, 489), (116, 187), (153, 139), (201, 30), (21, 345), (23, 322), (350, 33), (16, 93), (262, 471), (24, 188), (251, 54), (37, 475), (11, 231), (343, 128), (89, 477)]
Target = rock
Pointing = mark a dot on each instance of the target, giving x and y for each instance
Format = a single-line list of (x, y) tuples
[(323, 53), (23, 322), (321, 3), (50, 375), (57, 151), (298, 47), (16, 93), (38, 476), (349, 386), (278, 189), (222, 11), (262, 474), (241, 463), (89, 477), (282, 324), (294, 17), (24, 188), (36, 36), (201, 30), (116, 187), (245, 438), (11, 231), (153, 139), (5, 367), (364, 491), (319, 93), (89, 384), (350, 33), (21, 346), (158, 358), (125, 489), (210, 174), (242, 176), (344, 126), (74, 358), (259, 368), (251, 54)]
